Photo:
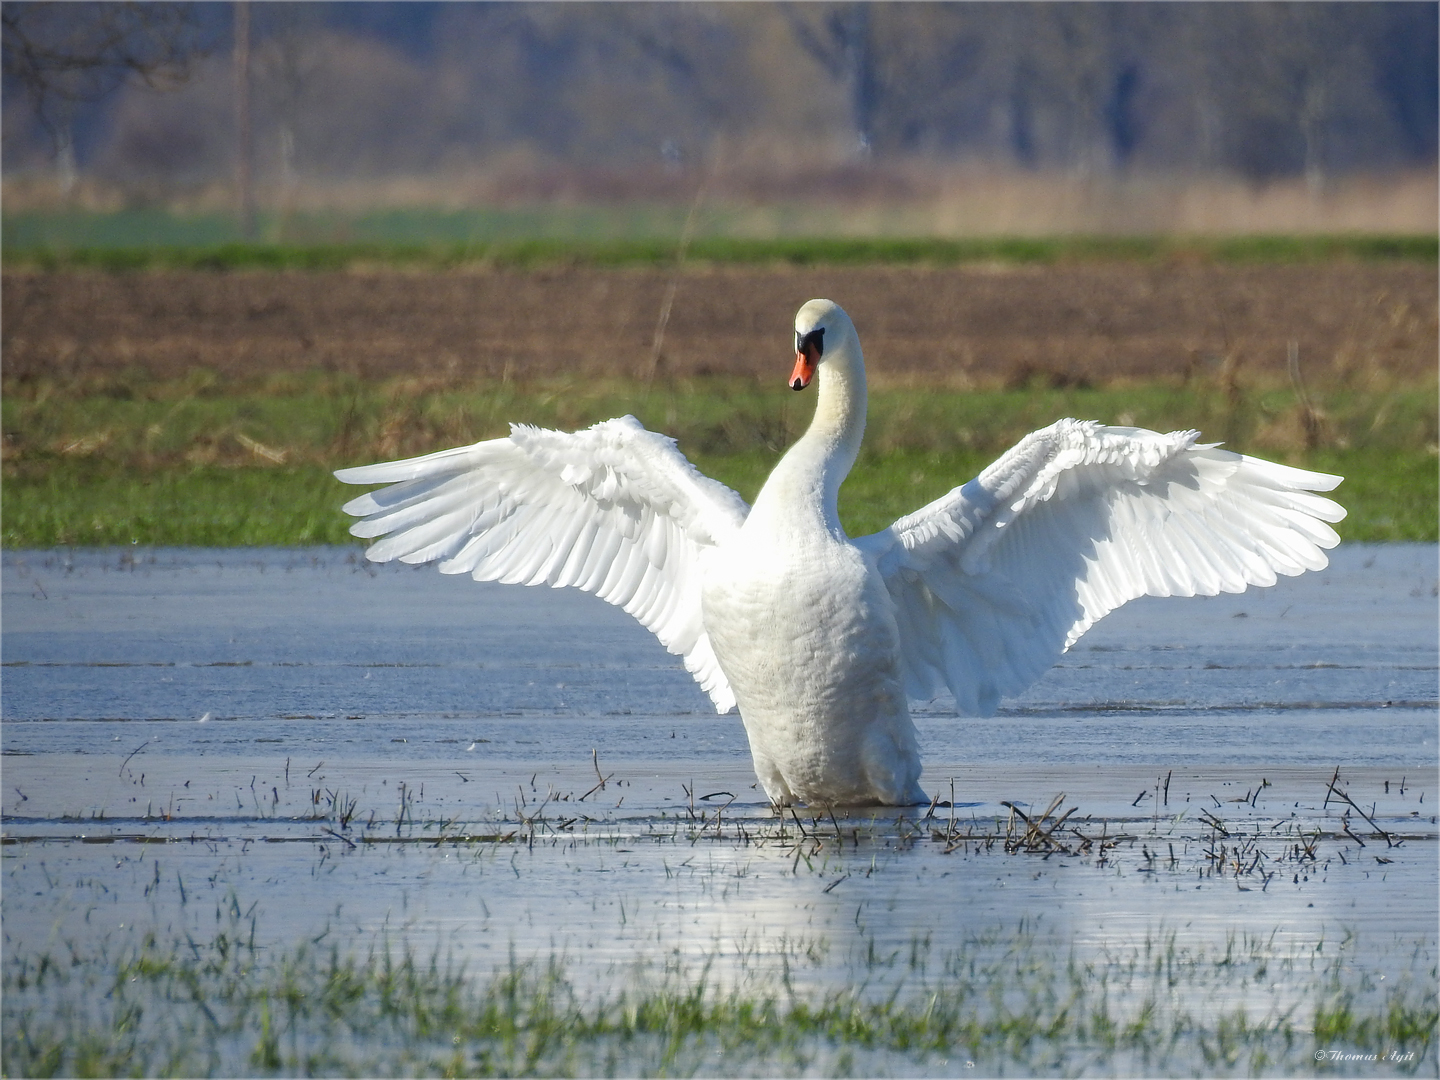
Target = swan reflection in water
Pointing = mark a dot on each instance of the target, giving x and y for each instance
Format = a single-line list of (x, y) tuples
[(821, 640)]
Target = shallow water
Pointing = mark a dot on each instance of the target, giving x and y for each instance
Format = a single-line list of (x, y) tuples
[(355, 749)]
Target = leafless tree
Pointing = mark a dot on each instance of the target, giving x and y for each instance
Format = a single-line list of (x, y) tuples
[(63, 53), (561, 95), (840, 39), (286, 64)]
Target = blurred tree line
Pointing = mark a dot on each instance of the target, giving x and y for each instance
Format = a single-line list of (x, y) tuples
[(357, 91)]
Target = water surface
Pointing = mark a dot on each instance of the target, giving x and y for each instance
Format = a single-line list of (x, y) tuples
[(342, 749)]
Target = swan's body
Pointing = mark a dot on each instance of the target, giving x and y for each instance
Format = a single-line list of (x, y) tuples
[(819, 639)]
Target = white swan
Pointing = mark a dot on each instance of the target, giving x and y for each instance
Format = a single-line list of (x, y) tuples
[(820, 639)]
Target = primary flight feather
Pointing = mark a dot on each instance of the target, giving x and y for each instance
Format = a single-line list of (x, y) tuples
[(819, 639)]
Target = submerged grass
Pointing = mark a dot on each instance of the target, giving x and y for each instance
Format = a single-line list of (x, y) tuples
[(1004, 1003), (129, 459)]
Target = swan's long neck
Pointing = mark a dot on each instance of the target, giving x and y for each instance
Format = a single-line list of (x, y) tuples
[(803, 491)]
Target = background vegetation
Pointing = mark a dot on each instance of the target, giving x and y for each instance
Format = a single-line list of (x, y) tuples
[(144, 240), (424, 137), (123, 460), (499, 102)]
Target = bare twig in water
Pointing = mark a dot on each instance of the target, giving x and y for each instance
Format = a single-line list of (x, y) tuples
[(1214, 822), (1036, 836), (950, 830), (1389, 841), (131, 755), (719, 810), (596, 788), (799, 826), (338, 836), (601, 779)]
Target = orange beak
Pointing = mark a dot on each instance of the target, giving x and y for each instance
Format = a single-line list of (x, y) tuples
[(805, 361)]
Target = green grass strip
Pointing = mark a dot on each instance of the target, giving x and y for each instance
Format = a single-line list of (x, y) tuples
[(1390, 497), (719, 250), (197, 462), (203, 507)]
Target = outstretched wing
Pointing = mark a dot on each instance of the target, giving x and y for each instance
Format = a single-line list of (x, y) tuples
[(995, 580), (615, 510)]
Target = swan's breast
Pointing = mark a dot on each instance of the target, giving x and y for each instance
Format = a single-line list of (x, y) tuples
[(803, 635)]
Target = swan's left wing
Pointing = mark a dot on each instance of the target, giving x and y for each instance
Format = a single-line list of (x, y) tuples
[(995, 580), (615, 510)]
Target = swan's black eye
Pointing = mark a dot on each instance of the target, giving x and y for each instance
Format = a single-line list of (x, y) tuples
[(815, 338)]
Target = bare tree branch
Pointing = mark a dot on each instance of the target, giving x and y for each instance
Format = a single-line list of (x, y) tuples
[(59, 54)]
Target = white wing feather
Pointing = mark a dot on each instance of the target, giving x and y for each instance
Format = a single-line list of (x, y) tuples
[(615, 510), (994, 581)]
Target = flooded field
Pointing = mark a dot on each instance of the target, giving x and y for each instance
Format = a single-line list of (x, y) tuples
[(295, 746)]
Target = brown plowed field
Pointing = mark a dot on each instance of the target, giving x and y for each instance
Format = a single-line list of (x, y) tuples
[(1083, 322)]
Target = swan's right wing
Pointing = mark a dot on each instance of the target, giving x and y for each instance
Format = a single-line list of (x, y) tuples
[(994, 581), (615, 510)]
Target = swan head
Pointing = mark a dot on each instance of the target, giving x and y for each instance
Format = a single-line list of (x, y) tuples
[(821, 330)]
